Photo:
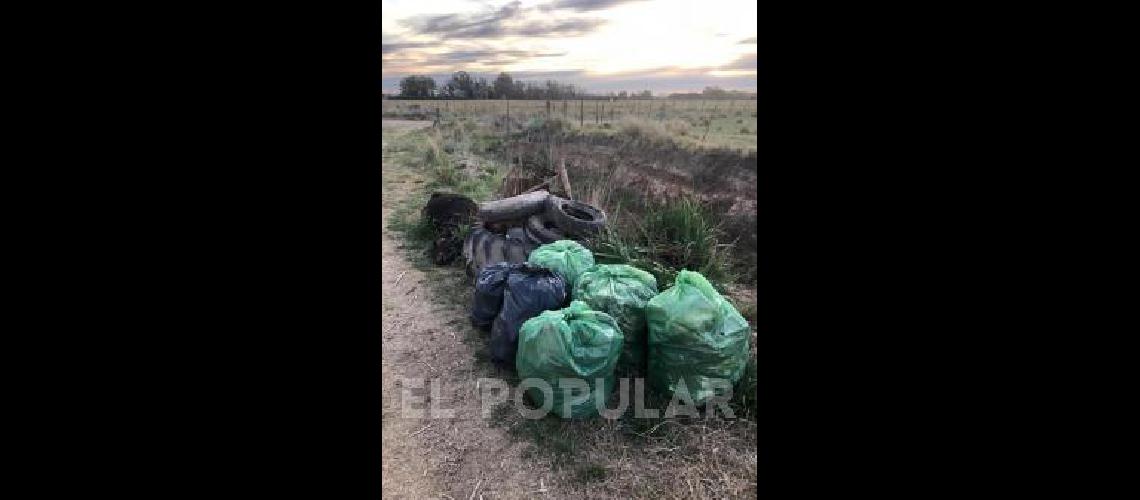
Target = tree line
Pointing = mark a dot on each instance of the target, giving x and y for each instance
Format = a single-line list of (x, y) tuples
[(462, 85), (715, 93)]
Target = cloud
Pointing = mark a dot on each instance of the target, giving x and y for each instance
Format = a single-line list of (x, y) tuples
[(473, 60), (747, 41), (503, 22), (500, 56), (583, 5), (449, 23), (567, 74), (744, 62), (388, 48), (569, 27)]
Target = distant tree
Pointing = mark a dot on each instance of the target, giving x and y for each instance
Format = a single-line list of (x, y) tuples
[(461, 86), (645, 94), (551, 90), (503, 86), (531, 90), (482, 89), (417, 86), (714, 92), (623, 95)]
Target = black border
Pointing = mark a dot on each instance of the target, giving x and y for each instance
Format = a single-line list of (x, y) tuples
[(249, 242)]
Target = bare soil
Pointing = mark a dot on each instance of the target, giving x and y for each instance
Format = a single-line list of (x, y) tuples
[(461, 457)]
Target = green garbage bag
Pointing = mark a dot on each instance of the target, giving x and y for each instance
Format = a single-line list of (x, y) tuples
[(695, 335), (573, 343), (568, 258), (622, 291)]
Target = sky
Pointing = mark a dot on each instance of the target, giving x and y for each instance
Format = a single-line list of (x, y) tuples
[(602, 46)]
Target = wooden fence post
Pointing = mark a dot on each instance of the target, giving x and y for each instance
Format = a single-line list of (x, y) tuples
[(581, 114), (565, 179)]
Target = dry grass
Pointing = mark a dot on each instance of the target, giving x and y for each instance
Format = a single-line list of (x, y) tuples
[(729, 124), (597, 458), (642, 459)]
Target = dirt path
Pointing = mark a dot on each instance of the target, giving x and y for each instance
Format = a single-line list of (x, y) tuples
[(460, 457)]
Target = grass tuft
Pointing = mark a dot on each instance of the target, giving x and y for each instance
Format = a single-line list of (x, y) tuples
[(671, 236)]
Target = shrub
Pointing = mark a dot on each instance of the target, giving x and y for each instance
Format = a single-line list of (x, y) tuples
[(680, 234)]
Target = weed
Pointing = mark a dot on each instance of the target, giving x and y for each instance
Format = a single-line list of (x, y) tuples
[(744, 394), (592, 472)]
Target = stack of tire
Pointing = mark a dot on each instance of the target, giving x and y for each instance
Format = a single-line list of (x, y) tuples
[(507, 230)]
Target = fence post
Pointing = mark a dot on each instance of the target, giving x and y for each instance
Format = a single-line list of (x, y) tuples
[(581, 113), (508, 115)]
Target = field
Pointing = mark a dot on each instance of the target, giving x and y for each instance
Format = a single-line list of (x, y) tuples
[(709, 123), (677, 181)]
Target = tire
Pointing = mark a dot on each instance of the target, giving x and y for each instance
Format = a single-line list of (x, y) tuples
[(574, 217), (483, 248), (542, 230), (469, 241), (534, 241), (515, 207), (494, 250), (518, 245)]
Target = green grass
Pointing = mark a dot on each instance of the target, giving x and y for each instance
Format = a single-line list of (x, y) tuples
[(668, 238)]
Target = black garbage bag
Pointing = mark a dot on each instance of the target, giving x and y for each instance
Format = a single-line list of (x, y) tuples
[(529, 291), (488, 299)]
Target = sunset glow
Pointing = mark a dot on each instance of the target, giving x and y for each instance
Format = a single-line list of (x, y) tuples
[(601, 45)]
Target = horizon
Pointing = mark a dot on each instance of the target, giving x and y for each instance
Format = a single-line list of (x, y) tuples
[(667, 46)]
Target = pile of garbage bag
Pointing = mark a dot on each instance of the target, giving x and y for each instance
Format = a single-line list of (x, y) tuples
[(576, 343), (527, 267)]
